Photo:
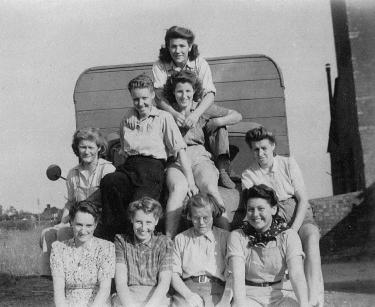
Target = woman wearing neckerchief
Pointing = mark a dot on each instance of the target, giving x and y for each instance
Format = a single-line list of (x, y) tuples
[(284, 176), (261, 251)]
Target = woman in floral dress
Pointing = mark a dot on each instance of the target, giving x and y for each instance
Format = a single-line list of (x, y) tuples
[(82, 267)]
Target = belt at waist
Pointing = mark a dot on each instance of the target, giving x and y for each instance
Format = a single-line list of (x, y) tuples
[(261, 284), (205, 279), (71, 287)]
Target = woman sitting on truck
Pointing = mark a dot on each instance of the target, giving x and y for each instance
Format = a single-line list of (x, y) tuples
[(184, 91), (180, 53), (284, 176), (82, 183), (146, 149), (260, 252)]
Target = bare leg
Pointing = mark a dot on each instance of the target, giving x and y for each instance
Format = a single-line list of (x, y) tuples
[(177, 187), (206, 180), (310, 236)]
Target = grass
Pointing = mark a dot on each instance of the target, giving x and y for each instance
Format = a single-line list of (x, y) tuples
[(19, 251)]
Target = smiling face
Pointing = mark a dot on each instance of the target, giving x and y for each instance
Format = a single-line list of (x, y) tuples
[(142, 100), (143, 225), (263, 152), (202, 219), (259, 213), (179, 50), (184, 93), (88, 152), (83, 227)]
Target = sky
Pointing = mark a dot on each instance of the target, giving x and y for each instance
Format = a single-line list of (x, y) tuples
[(46, 45)]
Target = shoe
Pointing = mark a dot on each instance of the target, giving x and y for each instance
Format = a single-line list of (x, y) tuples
[(225, 181)]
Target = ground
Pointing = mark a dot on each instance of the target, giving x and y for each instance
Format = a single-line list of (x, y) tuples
[(348, 284)]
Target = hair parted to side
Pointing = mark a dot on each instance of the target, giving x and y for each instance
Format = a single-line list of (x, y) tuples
[(141, 81), (86, 206), (178, 32), (184, 76), (201, 200), (258, 134), (261, 191), (89, 134), (147, 205)]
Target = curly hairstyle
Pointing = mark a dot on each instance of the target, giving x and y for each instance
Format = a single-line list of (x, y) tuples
[(178, 32), (89, 134), (86, 206), (261, 191), (147, 205), (258, 134), (201, 200), (141, 81), (184, 76)]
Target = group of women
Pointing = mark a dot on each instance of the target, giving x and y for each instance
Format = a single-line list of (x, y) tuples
[(262, 263)]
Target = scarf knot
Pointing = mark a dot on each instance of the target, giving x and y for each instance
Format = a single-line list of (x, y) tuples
[(261, 239)]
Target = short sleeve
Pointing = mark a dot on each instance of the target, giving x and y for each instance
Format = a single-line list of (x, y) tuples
[(246, 180), (177, 254), (120, 249), (106, 261), (56, 259), (205, 75), (166, 256), (236, 245), (159, 74), (70, 186), (296, 176), (173, 139), (292, 245)]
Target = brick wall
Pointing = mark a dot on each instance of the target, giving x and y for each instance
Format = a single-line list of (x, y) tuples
[(344, 223)]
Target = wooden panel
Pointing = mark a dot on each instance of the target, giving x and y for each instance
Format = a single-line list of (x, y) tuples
[(248, 90), (265, 107), (245, 70), (111, 118), (109, 80), (103, 100), (276, 125)]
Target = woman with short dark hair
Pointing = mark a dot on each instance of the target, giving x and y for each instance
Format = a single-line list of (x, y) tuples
[(82, 267), (261, 251)]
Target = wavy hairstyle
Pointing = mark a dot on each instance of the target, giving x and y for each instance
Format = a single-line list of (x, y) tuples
[(147, 205), (201, 200), (261, 191), (141, 81), (259, 134), (178, 32), (89, 134), (184, 76), (86, 206)]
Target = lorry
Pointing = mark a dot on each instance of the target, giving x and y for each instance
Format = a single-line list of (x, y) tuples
[(251, 84)]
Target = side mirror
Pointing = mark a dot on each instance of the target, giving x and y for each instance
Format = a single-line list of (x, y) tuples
[(53, 172)]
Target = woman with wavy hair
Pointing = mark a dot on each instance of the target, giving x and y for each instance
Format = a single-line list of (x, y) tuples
[(82, 183)]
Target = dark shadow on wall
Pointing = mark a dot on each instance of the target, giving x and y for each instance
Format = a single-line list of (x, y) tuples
[(352, 236)]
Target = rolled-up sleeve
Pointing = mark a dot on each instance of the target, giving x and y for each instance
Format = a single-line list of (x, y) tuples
[(159, 74), (205, 75), (177, 257), (296, 176), (120, 249), (236, 245), (173, 139), (166, 256), (292, 245)]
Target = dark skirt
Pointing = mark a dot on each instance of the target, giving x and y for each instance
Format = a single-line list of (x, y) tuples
[(139, 176)]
